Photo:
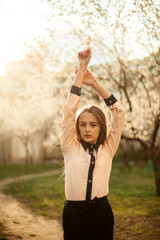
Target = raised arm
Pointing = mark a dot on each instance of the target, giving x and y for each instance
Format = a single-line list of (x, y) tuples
[(117, 112), (67, 134), (83, 61)]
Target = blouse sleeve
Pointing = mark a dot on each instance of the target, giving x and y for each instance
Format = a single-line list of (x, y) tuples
[(67, 133), (116, 125)]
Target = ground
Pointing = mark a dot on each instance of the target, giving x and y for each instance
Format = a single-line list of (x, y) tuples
[(133, 222), (21, 223)]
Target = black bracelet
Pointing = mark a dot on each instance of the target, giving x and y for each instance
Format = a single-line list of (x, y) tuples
[(110, 101), (75, 90)]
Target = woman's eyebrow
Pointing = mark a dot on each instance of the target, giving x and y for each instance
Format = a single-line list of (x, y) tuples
[(85, 122)]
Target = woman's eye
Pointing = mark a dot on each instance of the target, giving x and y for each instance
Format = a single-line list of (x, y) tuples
[(93, 125), (82, 125)]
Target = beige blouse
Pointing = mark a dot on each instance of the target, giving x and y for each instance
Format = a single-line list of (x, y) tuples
[(77, 160)]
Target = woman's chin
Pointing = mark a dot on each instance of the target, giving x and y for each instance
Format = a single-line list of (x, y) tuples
[(89, 140)]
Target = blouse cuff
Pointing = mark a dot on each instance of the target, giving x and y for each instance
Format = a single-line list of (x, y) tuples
[(75, 90), (110, 101)]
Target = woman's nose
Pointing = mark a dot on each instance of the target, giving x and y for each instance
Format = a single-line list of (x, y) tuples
[(87, 128)]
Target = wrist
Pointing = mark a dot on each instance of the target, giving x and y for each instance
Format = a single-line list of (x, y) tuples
[(82, 66), (95, 84)]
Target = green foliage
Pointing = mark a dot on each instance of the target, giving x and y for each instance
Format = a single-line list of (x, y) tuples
[(16, 169)]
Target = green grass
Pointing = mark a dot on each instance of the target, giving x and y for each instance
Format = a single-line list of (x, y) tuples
[(16, 169), (132, 196), (134, 202)]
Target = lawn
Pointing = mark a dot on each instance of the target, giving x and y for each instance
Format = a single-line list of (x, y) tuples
[(18, 169), (132, 196)]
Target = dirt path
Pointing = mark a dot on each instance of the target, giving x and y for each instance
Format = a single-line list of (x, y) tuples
[(20, 222)]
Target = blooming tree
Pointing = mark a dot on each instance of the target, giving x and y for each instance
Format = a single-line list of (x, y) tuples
[(126, 42)]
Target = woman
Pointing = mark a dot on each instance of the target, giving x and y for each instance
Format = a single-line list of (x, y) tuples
[(88, 148)]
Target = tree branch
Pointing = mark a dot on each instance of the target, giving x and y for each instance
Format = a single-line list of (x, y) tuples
[(143, 144)]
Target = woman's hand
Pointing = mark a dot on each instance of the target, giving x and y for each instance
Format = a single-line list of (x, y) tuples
[(89, 79), (84, 57)]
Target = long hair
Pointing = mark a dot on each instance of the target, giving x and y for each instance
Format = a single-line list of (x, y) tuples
[(101, 119)]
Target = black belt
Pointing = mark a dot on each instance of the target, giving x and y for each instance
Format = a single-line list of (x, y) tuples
[(85, 203)]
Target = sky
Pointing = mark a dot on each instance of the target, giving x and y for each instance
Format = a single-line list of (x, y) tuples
[(20, 21)]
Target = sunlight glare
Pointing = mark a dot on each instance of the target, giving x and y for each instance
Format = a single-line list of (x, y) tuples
[(20, 21)]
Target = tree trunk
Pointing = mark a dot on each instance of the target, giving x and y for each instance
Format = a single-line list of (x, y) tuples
[(3, 154), (26, 165), (156, 165), (32, 154), (124, 156), (44, 162), (27, 158)]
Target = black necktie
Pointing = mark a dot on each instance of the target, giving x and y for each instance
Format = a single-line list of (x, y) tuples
[(90, 173)]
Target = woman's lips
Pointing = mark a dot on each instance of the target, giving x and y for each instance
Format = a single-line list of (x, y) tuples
[(87, 136)]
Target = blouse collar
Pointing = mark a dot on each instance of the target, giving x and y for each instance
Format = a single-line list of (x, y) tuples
[(89, 145)]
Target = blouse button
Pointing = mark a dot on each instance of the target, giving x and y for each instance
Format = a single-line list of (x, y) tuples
[(91, 146), (90, 152), (92, 162), (89, 181)]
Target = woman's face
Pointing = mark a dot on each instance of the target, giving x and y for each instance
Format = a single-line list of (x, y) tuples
[(88, 127)]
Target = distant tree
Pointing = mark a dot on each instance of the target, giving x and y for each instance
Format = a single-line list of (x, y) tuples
[(138, 84), (5, 130)]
